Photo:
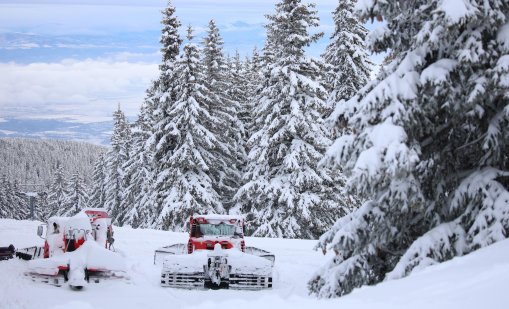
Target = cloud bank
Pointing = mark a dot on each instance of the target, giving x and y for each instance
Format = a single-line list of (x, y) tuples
[(82, 90), (114, 47)]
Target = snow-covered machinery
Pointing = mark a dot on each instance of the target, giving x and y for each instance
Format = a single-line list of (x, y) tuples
[(7, 252), (77, 250), (215, 257)]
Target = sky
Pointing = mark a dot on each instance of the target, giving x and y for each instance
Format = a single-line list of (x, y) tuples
[(74, 61)]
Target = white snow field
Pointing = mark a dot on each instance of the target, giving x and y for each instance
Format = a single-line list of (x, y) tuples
[(479, 280)]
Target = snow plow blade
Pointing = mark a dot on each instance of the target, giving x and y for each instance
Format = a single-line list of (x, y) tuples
[(261, 253), (163, 252), (61, 277), (215, 269), (26, 254), (58, 279), (90, 263), (181, 270), (30, 253), (250, 270)]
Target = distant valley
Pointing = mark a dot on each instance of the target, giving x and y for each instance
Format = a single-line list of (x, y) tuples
[(97, 133)]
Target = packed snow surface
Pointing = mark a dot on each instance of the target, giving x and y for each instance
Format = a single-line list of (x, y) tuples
[(478, 280)]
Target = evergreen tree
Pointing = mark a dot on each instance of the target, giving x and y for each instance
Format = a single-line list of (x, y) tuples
[(170, 39), (429, 145), (98, 191), (4, 212), (41, 203), (253, 79), (76, 198), (265, 63), (270, 47), (138, 172), (115, 159), (160, 97), (8, 199), (238, 91), (346, 59), (252, 74), (286, 193), (189, 171), (224, 109), (56, 195), (33, 161), (21, 204)]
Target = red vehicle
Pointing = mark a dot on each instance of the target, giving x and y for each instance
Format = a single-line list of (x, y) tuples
[(77, 250), (64, 234), (229, 233), (215, 257)]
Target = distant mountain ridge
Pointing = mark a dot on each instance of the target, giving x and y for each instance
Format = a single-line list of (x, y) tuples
[(30, 161), (56, 129)]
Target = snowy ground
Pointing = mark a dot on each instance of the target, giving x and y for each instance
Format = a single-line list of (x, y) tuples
[(475, 281)]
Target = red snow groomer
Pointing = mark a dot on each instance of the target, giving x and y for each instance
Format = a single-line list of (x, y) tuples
[(74, 235), (77, 250), (215, 257)]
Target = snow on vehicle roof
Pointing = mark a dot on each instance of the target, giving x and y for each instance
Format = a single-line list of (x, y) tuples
[(219, 217), (80, 221), (58, 220), (95, 209), (95, 213)]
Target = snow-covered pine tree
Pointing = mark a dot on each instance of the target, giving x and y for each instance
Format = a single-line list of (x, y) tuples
[(138, 171), (430, 143), (224, 109), (41, 203), (22, 159), (238, 91), (4, 212), (56, 195), (115, 159), (346, 59), (262, 65), (21, 203), (160, 94), (257, 74), (76, 198), (253, 65), (286, 193), (97, 195), (160, 97), (252, 75), (13, 203), (170, 40), (253, 72), (270, 47), (190, 166), (8, 203)]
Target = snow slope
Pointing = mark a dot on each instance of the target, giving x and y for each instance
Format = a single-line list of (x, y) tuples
[(477, 280)]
